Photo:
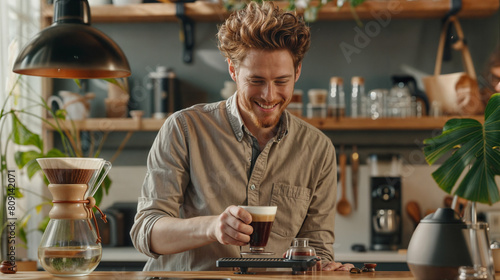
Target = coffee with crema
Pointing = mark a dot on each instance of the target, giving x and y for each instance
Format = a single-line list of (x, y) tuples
[(262, 225)]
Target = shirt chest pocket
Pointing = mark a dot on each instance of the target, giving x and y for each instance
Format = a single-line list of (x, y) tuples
[(292, 203)]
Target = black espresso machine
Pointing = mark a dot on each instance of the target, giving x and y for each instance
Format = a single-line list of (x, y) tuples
[(385, 209)]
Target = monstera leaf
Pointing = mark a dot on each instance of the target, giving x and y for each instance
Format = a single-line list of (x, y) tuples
[(474, 147)]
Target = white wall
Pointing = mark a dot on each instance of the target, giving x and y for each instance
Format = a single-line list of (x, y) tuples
[(417, 185), (126, 186)]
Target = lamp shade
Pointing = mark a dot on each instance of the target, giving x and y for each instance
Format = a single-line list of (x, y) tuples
[(71, 48)]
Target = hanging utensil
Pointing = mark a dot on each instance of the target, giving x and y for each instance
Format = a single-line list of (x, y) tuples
[(343, 206), (354, 175), (413, 210)]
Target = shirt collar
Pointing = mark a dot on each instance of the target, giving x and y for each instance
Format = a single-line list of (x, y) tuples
[(234, 117), (237, 122)]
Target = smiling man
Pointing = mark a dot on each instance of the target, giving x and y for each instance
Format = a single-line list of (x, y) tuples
[(247, 150), (265, 80)]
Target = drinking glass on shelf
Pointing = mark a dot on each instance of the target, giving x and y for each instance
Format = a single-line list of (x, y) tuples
[(376, 103), (398, 102)]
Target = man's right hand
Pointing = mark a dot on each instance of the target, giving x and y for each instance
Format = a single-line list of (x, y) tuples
[(232, 227)]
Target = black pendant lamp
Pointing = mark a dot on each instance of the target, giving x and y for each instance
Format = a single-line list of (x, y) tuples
[(72, 49)]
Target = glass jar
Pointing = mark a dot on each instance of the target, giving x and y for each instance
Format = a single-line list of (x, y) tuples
[(358, 98), (376, 103), (316, 111), (336, 98), (398, 103), (300, 250)]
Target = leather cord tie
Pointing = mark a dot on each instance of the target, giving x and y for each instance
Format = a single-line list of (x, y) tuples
[(89, 203)]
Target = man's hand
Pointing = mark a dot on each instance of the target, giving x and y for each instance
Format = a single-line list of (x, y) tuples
[(330, 266), (333, 266), (232, 227)]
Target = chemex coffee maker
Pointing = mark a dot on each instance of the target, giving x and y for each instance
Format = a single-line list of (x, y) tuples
[(385, 193), (70, 245)]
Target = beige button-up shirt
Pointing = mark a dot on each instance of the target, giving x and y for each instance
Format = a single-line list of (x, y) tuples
[(200, 163)]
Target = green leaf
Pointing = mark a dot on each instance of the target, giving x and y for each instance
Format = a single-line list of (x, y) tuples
[(455, 132), (54, 152), (22, 235), (61, 114), (24, 222), (477, 152), (32, 168), (23, 158), (98, 196), (78, 83), (43, 224), (103, 189), (117, 83), (18, 193), (23, 136), (355, 3), (28, 159)]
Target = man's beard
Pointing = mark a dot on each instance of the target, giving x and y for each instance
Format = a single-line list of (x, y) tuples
[(267, 123)]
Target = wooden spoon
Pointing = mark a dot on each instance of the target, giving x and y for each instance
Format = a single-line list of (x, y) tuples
[(354, 173), (413, 210), (343, 206)]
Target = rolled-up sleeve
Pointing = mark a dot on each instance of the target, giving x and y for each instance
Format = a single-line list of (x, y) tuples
[(166, 179)]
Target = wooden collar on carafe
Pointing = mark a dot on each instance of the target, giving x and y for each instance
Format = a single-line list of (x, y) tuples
[(89, 204)]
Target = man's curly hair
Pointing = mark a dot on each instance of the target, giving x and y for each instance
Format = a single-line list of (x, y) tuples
[(266, 27)]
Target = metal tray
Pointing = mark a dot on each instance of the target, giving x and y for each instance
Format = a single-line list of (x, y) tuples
[(244, 263)]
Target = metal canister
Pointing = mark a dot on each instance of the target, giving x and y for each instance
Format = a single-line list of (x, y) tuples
[(163, 87)]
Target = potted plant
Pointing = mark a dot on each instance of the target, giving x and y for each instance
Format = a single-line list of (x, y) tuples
[(474, 146), (25, 159), (443, 244)]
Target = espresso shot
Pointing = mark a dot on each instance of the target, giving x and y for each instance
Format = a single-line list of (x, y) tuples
[(262, 225)]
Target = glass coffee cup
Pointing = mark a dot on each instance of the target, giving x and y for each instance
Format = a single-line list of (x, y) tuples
[(262, 223)]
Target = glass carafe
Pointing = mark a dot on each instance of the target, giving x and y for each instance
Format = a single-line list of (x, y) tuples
[(70, 245), (69, 248)]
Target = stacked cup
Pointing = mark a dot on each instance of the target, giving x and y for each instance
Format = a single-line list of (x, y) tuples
[(316, 108), (295, 105)]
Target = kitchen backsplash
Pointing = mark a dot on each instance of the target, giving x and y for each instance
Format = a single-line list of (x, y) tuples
[(417, 185)]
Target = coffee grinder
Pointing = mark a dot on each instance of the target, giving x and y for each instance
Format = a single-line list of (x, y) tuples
[(385, 215)]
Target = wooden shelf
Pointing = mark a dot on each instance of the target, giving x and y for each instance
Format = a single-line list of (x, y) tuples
[(325, 124), (424, 123), (205, 11), (110, 124)]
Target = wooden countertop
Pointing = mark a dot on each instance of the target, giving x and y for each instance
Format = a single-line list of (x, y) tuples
[(125, 275)]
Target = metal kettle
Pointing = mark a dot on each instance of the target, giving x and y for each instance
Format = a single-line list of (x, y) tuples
[(439, 246), (385, 221)]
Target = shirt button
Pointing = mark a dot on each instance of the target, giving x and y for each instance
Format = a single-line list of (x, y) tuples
[(252, 187)]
